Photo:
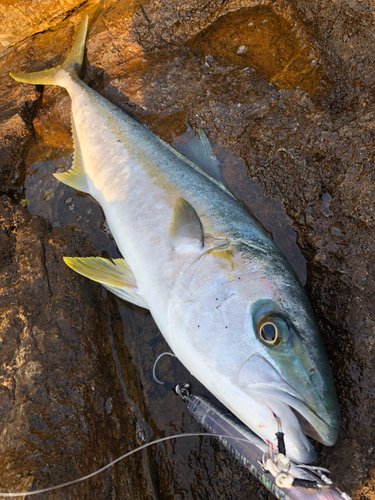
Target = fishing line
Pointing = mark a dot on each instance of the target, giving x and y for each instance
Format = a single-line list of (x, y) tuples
[(113, 462)]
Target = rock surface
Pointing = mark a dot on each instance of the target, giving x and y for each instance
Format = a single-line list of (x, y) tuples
[(283, 89), (20, 19), (58, 387)]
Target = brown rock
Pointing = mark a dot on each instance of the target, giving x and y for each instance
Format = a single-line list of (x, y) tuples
[(305, 133), (57, 371), (20, 19), (54, 126), (267, 41)]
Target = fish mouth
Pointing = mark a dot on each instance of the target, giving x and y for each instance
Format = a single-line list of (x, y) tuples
[(311, 423), (300, 414), (328, 438)]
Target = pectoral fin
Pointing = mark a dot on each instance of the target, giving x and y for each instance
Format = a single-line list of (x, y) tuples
[(186, 227), (114, 275)]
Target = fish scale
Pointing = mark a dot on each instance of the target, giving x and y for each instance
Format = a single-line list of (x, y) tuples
[(208, 272)]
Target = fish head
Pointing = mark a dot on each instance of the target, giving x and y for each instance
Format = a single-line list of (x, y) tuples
[(290, 374), (243, 326)]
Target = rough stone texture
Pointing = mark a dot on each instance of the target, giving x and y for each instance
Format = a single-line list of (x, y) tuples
[(304, 128), (58, 389), (20, 19)]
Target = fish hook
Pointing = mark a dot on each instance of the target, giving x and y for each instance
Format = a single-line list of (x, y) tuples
[(156, 362)]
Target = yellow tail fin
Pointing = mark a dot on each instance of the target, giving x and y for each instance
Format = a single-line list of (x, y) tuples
[(72, 64)]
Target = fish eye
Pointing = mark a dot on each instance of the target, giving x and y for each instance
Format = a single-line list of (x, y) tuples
[(271, 326), (268, 331)]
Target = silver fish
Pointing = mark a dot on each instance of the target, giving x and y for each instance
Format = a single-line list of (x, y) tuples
[(221, 292)]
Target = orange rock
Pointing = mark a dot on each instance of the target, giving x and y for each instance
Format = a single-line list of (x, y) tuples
[(20, 19)]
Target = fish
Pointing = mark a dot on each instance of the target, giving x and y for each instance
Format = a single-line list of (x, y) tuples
[(221, 292)]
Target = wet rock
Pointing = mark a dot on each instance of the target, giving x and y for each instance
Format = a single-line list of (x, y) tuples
[(13, 135), (57, 392), (268, 42), (54, 127), (303, 130)]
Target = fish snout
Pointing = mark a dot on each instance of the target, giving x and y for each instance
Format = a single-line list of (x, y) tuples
[(317, 416)]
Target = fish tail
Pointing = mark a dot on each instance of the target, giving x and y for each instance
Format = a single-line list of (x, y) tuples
[(72, 64)]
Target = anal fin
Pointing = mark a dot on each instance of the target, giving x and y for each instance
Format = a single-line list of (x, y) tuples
[(115, 276)]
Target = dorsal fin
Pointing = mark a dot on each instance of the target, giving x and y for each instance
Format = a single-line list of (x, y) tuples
[(199, 151), (186, 227), (75, 177)]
